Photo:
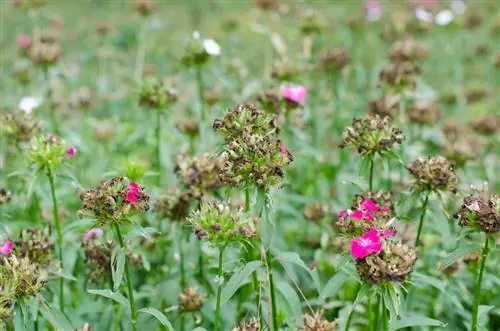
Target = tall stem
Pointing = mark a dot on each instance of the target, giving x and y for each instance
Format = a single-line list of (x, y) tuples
[(371, 173), (422, 215), (477, 291), (275, 326), (129, 281), (369, 313), (385, 320), (158, 144), (255, 277), (219, 290), (52, 110), (57, 222), (199, 80)]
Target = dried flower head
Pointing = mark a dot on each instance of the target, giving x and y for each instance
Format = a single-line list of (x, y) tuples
[(218, 223), (145, 7), (174, 205), (285, 70), (188, 126), (424, 113), (20, 278), (156, 94), (199, 175), (18, 127), (81, 98), (35, 244), (316, 321), (399, 77), (481, 211), (315, 212), (371, 135), (408, 50), (97, 259), (251, 324), (387, 106), (460, 148), (47, 151), (271, 101), (5, 196), (44, 54), (487, 125), (476, 91), (191, 300), (434, 173), (334, 59), (114, 200), (312, 22), (392, 264), (199, 51)]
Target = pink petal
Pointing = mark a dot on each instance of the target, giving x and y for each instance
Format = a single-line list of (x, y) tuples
[(369, 205), (474, 206), (357, 250), (282, 150), (343, 213), (357, 215), (95, 232), (23, 41), (369, 216), (134, 188), (6, 248), (131, 197), (387, 234), (71, 152), (296, 94)]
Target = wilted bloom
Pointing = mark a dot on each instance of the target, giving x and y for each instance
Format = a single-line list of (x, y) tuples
[(481, 212), (487, 125), (92, 233), (251, 324), (48, 151), (145, 7), (399, 76), (424, 113), (316, 321), (191, 300), (365, 245), (199, 175), (36, 245), (71, 151), (28, 104), (156, 94), (20, 278), (6, 248), (23, 41), (174, 205), (434, 173), (334, 59), (315, 212), (296, 94), (385, 106), (5, 196), (312, 22), (285, 70), (408, 50)]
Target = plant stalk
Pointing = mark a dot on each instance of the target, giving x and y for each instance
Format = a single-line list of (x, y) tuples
[(477, 291), (219, 290), (201, 88), (372, 163), (158, 145), (275, 326), (422, 215)]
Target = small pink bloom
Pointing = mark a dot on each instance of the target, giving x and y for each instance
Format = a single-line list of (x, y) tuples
[(385, 210), (296, 94), (369, 216), (92, 233), (365, 245), (6, 248), (134, 188), (474, 206), (357, 215), (343, 213), (387, 234), (369, 205), (23, 41), (373, 10), (71, 152), (131, 197)]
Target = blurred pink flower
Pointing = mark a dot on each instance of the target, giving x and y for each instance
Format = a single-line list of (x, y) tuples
[(365, 245), (6, 248), (473, 206), (343, 213), (357, 215), (133, 190), (387, 234), (92, 233), (23, 41), (373, 10), (71, 151), (296, 94), (369, 205), (282, 150)]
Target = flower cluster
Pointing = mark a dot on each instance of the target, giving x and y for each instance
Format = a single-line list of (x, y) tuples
[(481, 212), (156, 94), (35, 244), (44, 49), (387, 106), (408, 50), (253, 154), (97, 258), (487, 125), (199, 175), (434, 173), (191, 300), (49, 151), (424, 113), (334, 59), (5, 196), (371, 135), (218, 223), (316, 321), (199, 51), (399, 76), (114, 200), (18, 127)]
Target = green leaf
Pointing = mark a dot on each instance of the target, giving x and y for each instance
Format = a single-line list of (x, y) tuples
[(55, 317), (333, 285), (18, 318), (392, 300), (415, 321), (459, 253), (363, 291), (292, 300), (117, 267), (482, 314), (295, 258), (113, 296), (158, 315), (199, 329), (140, 232), (63, 274), (237, 280)]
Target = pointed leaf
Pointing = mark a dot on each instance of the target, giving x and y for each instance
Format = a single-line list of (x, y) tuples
[(113, 296), (415, 321), (237, 280), (140, 232), (295, 258), (55, 317), (333, 285), (117, 268), (459, 253), (158, 315), (292, 299)]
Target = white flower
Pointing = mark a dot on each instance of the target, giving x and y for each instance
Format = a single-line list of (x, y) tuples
[(196, 35), (457, 6), (423, 15), (444, 17), (28, 104), (211, 47)]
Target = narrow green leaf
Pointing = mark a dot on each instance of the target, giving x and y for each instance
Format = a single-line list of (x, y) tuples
[(459, 253), (363, 291), (237, 280), (415, 321), (55, 317), (333, 285), (18, 319), (63, 274), (117, 268), (482, 314), (140, 232), (295, 258), (292, 300), (158, 315), (113, 296)]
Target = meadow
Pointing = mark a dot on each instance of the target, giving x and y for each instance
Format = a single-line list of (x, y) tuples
[(250, 165)]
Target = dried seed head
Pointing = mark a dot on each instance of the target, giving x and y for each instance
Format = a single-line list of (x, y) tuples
[(145, 7), (20, 279), (47, 151), (44, 54), (251, 324), (199, 175), (476, 91), (191, 300), (312, 22), (156, 94), (5, 196), (102, 27), (316, 322), (387, 106), (481, 212), (408, 50), (424, 113), (371, 135), (98, 259), (174, 205), (35, 244), (18, 127), (188, 126), (434, 173), (271, 101), (285, 70), (81, 98), (399, 77), (267, 4), (315, 212), (211, 97), (334, 59), (487, 125), (460, 146)]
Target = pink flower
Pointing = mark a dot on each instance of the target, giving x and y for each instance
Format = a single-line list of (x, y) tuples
[(343, 213), (387, 234), (131, 197), (369, 216), (474, 206), (373, 10), (369, 205), (23, 41), (365, 245), (357, 215), (282, 150), (92, 233), (296, 94), (6, 248), (134, 188), (71, 152)]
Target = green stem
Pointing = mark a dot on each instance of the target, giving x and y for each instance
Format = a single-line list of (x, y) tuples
[(57, 222), (199, 80), (477, 291), (255, 277), (219, 290), (158, 144), (275, 326), (247, 199), (351, 312), (369, 313), (372, 163), (129, 281), (421, 222), (385, 320), (375, 325), (52, 111)]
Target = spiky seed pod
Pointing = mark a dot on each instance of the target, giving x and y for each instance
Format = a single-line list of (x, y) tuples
[(312, 22), (174, 205), (35, 244), (47, 151), (191, 300), (399, 77), (424, 113), (18, 127), (114, 200), (155, 94), (387, 106), (5, 196), (251, 324), (434, 173), (145, 7), (316, 321), (285, 70), (371, 135), (315, 212), (487, 125), (218, 223), (481, 212), (393, 264), (408, 50), (20, 278), (199, 175), (334, 59), (188, 126)]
